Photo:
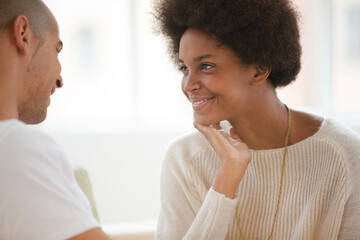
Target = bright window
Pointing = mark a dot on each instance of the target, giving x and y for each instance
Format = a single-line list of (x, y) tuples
[(118, 76)]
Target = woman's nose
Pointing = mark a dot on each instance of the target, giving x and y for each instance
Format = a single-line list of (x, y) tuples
[(190, 83)]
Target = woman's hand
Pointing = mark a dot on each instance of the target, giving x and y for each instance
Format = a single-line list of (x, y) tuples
[(234, 155)]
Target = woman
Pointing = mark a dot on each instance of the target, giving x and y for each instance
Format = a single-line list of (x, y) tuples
[(277, 173)]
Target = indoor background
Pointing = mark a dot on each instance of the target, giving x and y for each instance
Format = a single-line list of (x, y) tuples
[(121, 103)]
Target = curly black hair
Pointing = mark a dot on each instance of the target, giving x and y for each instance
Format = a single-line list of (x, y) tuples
[(260, 32)]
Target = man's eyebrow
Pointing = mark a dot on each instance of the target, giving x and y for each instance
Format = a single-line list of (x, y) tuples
[(197, 59)]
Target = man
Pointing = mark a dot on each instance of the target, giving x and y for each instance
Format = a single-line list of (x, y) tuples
[(39, 198)]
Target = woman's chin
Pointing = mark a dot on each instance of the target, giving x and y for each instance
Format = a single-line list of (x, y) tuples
[(206, 121)]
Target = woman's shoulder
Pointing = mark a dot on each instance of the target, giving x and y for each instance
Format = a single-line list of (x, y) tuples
[(333, 130), (347, 143), (326, 133), (316, 127), (342, 141), (342, 136)]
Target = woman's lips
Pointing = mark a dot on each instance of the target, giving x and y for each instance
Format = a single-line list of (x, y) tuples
[(200, 103)]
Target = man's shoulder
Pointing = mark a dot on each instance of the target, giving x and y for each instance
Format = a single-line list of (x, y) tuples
[(33, 166), (21, 144), (9, 128), (16, 132)]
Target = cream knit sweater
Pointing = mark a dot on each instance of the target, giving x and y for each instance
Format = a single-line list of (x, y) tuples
[(320, 199)]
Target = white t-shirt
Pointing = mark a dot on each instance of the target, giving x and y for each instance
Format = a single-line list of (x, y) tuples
[(39, 197)]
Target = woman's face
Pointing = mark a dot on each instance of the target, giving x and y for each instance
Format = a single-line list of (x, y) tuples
[(214, 80)]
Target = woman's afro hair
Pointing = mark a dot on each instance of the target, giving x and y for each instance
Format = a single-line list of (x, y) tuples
[(260, 32)]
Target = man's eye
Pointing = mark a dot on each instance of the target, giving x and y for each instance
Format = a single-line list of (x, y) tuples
[(206, 66)]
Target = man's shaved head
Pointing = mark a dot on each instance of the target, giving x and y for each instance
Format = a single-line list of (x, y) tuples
[(36, 11)]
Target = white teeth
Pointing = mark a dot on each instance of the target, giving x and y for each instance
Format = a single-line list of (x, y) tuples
[(199, 102)]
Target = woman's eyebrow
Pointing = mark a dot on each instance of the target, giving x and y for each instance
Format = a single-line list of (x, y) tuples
[(197, 59)]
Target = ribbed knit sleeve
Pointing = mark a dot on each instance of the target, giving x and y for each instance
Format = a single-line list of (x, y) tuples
[(350, 148), (213, 218), (185, 214)]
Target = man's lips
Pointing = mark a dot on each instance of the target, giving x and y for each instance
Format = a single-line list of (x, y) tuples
[(52, 91)]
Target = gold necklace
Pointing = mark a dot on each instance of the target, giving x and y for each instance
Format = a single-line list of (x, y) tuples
[(281, 181)]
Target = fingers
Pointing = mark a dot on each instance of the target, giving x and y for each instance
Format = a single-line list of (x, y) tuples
[(203, 129), (212, 130), (208, 131), (216, 136), (221, 131), (220, 140), (235, 137), (230, 149), (217, 126), (233, 134), (234, 156)]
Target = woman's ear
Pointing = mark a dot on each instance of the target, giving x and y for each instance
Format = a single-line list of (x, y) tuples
[(22, 34), (260, 75)]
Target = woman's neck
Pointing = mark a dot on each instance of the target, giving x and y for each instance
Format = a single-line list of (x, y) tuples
[(265, 123)]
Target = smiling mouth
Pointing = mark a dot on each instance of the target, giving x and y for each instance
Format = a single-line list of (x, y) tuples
[(202, 101)]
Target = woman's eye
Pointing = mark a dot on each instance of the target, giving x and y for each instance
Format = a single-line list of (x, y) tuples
[(206, 66), (183, 68)]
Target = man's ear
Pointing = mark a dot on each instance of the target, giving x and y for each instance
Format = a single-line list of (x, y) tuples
[(22, 34), (260, 74)]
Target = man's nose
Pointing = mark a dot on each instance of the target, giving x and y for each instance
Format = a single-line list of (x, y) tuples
[(59, 82)]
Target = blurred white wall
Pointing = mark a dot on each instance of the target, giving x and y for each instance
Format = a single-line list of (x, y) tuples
[(124, 170)]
